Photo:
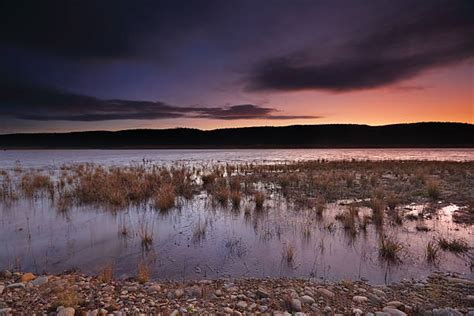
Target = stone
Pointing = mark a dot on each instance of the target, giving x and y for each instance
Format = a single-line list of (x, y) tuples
[(262, 293), (2, 287), (178, 293), (392, 311), (374, 299), (242, 305), (27, 277), (175, 313), (381, 314), (16, 286), (296, 305), (446, 312), (327, 309), (66, 311), (306, 299), (397, 304), (356, 311), (194, 291), (218, 293), (228, 310), (300, 314), (360, 299), (39, 281), (325, 292)]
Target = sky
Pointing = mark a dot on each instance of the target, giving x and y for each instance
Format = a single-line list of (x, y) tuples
[(111, 65)]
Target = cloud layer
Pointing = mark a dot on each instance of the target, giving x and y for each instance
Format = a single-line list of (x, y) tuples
[(37, 103), (421, 37)]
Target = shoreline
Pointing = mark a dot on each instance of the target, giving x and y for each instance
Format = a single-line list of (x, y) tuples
[(74, 293)]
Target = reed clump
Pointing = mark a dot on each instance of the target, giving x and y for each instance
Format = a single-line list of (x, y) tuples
[(164, 199), (289, 253), (432, 252), (389, 249), (453, 245), (259, 199), (143, 272)]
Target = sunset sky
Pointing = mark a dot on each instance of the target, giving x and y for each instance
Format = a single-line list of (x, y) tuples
[(109, 65)]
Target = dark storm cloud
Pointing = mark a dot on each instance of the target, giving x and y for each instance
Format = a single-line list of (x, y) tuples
[(39, 103), (414, 38), (91, 29)]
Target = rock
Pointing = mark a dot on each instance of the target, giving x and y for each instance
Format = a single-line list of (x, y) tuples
[(194, 291), (263, 308), (306, 299), (300, 314), (95, 312), (228, 310), (16, 286), (242, 305), (262, 293), (325, 292), (178, 293), (381, 314), (6, 274), (155, 288), (2, 287), (356, 311), (446, 312), (327, 309), (396, 304), (68, 311), (374, 299), (360, 299), (39, 281), (175, 313), (296, 305), (393, 311), (218, 293), (27, 277)]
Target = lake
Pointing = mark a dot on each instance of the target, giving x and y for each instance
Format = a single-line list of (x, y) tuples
[(56, 158), (198, 239)]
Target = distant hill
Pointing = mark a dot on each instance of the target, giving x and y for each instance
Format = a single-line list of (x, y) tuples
[(296, 136)]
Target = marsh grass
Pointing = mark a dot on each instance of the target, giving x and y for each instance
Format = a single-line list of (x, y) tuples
[(433, 189), (289, 253), (165, 197), (146, 236), (259, 199), (235, 198), (432, 252), (389, 249), (35, 183), (199, 232), (143, 272), (67, 296), (453, 245), (106, 274)]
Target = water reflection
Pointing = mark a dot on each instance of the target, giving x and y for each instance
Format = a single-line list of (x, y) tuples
[(200, 239)]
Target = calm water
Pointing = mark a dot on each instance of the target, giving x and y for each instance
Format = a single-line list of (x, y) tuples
[(55, 158), (35, 237)]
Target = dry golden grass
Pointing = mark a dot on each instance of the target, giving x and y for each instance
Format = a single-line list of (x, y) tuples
[(389, 249), (259, 199), (235, 198), (143, 272), (106, 274), (164, 198), (289, 253)]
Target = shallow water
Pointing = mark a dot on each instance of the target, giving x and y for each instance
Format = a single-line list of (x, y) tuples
[(35, 237), (56, 158)]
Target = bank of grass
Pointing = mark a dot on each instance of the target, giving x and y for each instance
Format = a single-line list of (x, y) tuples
[(383, 185)]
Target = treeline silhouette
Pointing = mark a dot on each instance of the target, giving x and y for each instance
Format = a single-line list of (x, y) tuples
[(295, 136)]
